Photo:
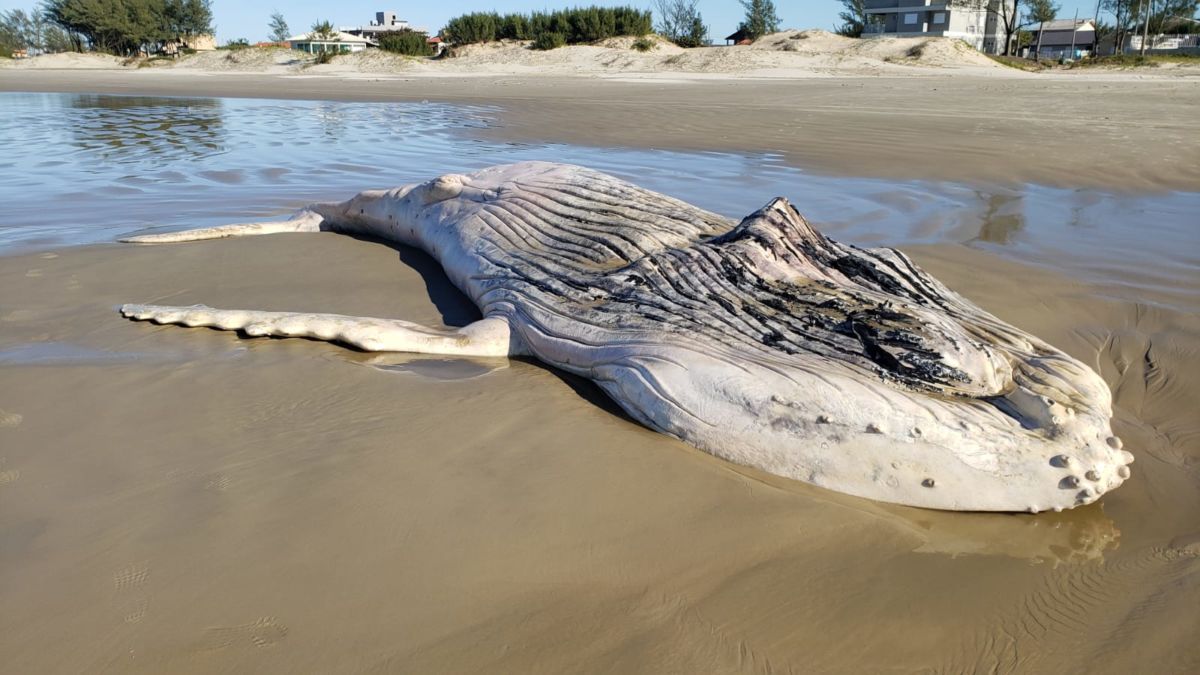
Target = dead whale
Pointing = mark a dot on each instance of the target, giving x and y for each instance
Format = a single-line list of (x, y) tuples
[(762, 342)]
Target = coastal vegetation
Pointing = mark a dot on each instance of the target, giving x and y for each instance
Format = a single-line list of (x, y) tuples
[(643, 44), (407, 42), (30, 31), (128, 27), (680, 22), (323, 30), (548, 41), (855, 19), (760, 18), (548, 30), (279, 28)]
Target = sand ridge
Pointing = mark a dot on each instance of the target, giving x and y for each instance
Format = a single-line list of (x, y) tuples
[(788, 54)]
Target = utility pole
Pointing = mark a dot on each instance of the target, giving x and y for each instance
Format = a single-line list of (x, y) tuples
[(1096, 31), (1146, 25), (1037, 50), (1139, 13), (1074, 29)]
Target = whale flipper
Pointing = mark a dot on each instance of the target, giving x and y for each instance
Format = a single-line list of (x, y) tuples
[(491, 336), (305, 221)]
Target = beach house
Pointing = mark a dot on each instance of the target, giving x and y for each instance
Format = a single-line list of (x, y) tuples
[(385, 22), (739, 37), (979, 23), (1061, 38), (339, 42)]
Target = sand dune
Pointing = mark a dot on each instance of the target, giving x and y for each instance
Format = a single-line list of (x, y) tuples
[(782, 55), (66, 61), (790, 54)]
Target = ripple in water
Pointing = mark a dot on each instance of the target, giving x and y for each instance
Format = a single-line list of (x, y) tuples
[(85, 168)]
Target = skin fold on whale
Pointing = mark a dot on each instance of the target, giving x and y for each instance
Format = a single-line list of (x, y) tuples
[(761, 342)]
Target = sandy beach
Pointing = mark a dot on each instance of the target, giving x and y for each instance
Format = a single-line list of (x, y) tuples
[(183, 500)]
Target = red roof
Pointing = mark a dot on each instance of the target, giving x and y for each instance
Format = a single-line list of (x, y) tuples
[(433, 40)]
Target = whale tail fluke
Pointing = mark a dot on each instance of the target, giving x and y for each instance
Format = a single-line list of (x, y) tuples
[(305, 221)]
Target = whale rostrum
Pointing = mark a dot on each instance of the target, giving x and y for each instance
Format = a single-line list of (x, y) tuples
[(761, 342)]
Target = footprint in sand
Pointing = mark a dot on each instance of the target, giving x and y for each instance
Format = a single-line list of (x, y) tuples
[(217, 482), (8, 419), (265, 632), (132, 602), (131, 577), (7, 475), (133, 611)]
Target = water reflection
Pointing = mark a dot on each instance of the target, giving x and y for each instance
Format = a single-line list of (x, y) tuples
[(114, 164), (1002, 217), (138, 130), (1071, 537), (331, 120), (433, 368)]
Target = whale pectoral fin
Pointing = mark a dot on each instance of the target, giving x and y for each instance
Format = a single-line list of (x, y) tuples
[(490, 336), (305, 221)]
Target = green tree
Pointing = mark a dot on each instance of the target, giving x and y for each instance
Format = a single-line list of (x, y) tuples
[(184, 19), (855, 19), (1040, 11), (11, 32), (1175, 16), (408, 42), (1127, 17), (323, 30), (279, 28), (760, 18), (680, 22), (129, 26), (1007, 13), (570, 26)]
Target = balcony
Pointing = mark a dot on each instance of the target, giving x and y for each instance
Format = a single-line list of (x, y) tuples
[(897, 6)]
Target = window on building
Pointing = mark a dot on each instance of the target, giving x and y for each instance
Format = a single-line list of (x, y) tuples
[(970, 29), (939, 17), (910, 18)]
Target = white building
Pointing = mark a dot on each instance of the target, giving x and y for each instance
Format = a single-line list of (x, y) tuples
[(339, 42), (385, 22), (979, 23)]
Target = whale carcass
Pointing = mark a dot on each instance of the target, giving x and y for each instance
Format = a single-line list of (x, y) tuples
[(762, 342)]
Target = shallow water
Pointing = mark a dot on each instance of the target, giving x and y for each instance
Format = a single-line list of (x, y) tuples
[(86, 168)]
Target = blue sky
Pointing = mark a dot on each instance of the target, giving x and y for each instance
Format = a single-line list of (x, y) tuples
[(248, 18)]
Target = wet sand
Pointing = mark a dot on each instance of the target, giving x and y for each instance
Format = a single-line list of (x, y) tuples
[(187, 501), (1125, 131), (177, 500)]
